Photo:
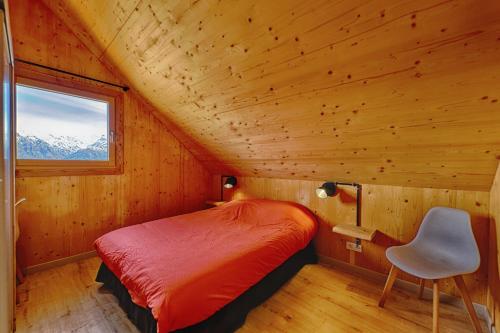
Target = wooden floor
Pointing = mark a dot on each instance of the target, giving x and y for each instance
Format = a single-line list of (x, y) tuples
[(318, 299)]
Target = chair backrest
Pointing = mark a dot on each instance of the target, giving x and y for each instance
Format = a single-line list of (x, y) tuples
[(448, 231)]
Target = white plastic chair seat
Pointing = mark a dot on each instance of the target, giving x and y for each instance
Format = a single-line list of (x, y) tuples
[(444, 246), (426, 266)]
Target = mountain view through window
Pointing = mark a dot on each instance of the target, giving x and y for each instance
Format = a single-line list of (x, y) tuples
[(57, 126)]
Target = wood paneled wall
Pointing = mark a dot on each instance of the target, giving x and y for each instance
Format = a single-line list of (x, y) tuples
[(396, 212), (64, 215), (493, 271)]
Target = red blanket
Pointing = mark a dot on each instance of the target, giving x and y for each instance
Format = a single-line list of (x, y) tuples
[(187, 267)]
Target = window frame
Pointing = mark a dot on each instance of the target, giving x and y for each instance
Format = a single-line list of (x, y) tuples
[(114, 98)]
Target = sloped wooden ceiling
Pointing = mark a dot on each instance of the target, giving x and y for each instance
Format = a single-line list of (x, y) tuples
[(388, 92)]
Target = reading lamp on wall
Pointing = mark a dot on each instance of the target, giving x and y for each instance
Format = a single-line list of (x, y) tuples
[(226, 182), (329, 189)]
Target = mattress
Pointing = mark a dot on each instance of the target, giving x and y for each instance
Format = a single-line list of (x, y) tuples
[(185, 268)]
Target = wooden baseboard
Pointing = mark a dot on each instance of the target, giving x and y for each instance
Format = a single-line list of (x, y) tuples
[(59, 262), (481, 309)]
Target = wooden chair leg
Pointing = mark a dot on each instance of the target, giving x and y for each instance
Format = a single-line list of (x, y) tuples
[(435, 306), (388, 285), (422, 288), (459, 281)]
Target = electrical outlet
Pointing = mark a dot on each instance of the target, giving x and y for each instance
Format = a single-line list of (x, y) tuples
[(353, 246)]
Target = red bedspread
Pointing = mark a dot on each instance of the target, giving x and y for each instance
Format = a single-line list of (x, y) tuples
[(187, 267)]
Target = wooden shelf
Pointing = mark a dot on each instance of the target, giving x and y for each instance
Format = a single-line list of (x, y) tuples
[(354, 231), (214, 203)]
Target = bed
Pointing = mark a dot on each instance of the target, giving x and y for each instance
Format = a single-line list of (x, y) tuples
[(204, 271)]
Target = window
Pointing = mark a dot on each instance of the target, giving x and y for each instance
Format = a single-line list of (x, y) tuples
[(65, 128), (57, 126)]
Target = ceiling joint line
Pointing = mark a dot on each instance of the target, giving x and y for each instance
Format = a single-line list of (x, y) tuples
[(119, 30)]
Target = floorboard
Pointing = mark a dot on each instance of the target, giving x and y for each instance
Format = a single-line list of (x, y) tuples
[(318, 299)]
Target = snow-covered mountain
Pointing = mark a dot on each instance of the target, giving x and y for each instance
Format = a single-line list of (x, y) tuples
[(66, 143), (100, 144), (61, 148)]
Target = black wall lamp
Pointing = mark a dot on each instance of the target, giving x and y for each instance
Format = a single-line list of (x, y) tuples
[(226, 182), (329, 189)]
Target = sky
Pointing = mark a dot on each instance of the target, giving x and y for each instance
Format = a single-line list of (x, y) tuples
[(43, 113)]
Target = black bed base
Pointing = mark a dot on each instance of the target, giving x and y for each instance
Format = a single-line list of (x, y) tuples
[(230, 317)]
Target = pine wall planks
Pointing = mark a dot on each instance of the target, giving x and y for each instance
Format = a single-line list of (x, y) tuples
[(493, 270), (258, 116), (64, 215), (396, 212)]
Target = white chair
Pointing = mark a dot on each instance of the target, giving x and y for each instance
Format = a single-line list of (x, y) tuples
[(444, 247)]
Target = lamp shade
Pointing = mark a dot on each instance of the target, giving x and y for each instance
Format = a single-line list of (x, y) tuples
[(230, 182), (328, 189)]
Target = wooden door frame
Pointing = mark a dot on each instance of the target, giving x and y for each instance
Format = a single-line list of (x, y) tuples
[(7, 244)]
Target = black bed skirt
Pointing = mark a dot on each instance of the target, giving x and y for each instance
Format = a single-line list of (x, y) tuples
[(230, 317)]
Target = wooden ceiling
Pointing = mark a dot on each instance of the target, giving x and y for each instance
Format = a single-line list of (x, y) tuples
[(384, 92)]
